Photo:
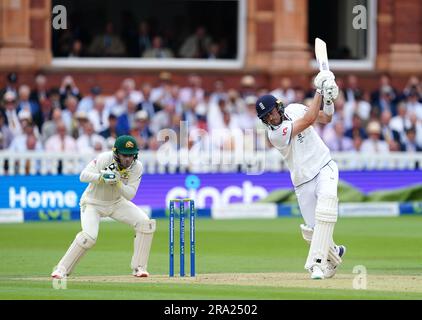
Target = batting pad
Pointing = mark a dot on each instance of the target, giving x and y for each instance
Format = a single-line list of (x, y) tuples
[(76, 251), (333, 256), (322, 238), (142, 243)]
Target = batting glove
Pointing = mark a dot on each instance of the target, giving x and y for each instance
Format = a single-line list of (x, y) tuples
[(321, 77), (329, 91)]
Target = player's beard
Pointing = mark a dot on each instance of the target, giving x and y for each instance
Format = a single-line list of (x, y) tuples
[(124, 162)]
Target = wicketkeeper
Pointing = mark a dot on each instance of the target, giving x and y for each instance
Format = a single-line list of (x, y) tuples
[(113, 179), (314, 174)]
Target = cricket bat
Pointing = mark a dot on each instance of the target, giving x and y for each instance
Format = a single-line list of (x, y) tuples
[(321, 54), (322, 57)]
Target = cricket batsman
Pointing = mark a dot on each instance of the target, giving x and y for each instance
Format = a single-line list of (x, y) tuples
[(314, 174), (113, 179)]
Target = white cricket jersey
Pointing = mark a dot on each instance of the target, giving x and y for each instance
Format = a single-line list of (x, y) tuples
[(305, 154), (103, 194)]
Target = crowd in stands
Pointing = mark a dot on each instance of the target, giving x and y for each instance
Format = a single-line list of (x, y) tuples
[(142, 42), (51, 117)]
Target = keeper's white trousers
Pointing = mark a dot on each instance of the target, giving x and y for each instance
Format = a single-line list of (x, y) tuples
[(122, 211), (325, 183)]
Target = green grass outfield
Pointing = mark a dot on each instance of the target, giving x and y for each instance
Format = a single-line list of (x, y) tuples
[(236, 259)]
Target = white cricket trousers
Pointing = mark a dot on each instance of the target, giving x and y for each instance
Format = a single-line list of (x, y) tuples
[(325, 183), (122, 211)]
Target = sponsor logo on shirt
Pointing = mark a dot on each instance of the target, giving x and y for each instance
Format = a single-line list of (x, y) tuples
[(300, 138)]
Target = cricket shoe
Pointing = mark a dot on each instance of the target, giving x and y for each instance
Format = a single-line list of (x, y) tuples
[(331, 268), (59, 273), (140, 273), (317, 273)]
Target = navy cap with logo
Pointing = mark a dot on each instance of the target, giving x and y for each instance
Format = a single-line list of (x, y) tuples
[(265, 104)]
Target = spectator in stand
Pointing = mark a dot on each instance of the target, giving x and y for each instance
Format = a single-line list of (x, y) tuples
[(68, 88), (338, 141), (143, 39), (98, 117), (45, 110), (141, 130), (49, 127), (55, 99), (219, 91), (89, 141), (351, 89), (247, 86), (77, 49), (356, 106), (417, 124), (158, 50), (285, 91), (163, 91), (40, 92), (197, 45), (412, 84), (127, 119), (374, 144), (25, 104), (386, 100), (117, 104), (129, 87), (201, 110), (26, 141), (385, 87), (6, 135), (11, 85), (193, 90), (111, 133), (61, 141), (389, 135), (400, 122), (229, 137), (214, 51), (163, 119), (10, 109), (107, 44), (409, 144), (247, 120), (215, 114), (25, 120), (234, 103), (412, 103), (82, 119), (147, 104), (356, 129), (87, 103), (357, 143), (69, 115)]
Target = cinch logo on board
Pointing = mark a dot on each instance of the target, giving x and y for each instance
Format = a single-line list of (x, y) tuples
[(41, 199), (247, 193)]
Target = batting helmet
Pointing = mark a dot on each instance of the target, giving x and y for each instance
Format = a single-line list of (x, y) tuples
[(266, 103)]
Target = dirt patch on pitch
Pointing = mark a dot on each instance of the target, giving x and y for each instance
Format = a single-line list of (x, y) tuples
[(393, 283)]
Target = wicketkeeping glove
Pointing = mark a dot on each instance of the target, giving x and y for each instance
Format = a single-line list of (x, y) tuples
[(110, 177)]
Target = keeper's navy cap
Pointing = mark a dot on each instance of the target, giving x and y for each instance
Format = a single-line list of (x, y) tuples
[(265, 104)]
